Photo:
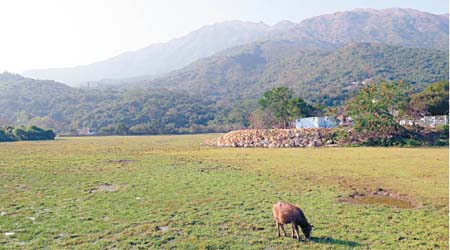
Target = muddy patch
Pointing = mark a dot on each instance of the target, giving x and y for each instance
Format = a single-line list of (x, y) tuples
[(219, 168), (121, 161), (105, 188), (256, 228), (379, 197)]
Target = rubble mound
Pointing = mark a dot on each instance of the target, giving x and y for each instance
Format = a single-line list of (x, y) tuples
[(276, 138)]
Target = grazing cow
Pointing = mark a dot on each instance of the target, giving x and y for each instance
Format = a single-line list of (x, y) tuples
[(285, 213)]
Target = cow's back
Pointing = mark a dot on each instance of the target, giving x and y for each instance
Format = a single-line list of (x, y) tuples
[(285, 213)]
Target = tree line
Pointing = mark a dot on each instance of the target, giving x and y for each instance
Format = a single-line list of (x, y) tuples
[(48, 104), (30, 133)]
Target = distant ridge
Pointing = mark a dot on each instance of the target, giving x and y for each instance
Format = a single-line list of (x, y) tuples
[(161, 57), (403, 27)]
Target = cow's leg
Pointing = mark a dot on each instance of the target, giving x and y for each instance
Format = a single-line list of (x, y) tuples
[(296, 230), (284, 231), (278, 228), (293, 230)]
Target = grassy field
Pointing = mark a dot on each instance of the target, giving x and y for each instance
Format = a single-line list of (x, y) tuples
[(164, 192)]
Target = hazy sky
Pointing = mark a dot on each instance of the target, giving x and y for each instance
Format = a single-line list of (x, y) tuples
[(59, 33)]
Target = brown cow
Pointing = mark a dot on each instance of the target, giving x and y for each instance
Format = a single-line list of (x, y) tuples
[(285, 213)]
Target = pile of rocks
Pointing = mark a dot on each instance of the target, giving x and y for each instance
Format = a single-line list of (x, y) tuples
[(276, 138)]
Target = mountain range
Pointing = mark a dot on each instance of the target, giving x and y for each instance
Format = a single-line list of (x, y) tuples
[(163, 57), (402, 27), (210, 79)]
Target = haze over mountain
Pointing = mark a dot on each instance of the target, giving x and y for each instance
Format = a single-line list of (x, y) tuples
[(405, 27), (163, 57)]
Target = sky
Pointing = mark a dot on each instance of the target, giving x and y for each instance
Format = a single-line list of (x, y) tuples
[(62, 33)]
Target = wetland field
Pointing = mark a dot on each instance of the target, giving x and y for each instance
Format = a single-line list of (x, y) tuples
[(174, 192)]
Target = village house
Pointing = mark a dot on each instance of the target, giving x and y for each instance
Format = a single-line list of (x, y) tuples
[(316, 122), (426, 121), (85, 131), (344, 120)]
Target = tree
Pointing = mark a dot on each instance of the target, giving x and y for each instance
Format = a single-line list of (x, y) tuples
[(20, 134), (433, 100), (281, 104), (375, 107), (261, 119)]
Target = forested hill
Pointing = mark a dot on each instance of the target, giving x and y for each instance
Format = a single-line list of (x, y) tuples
[(319, 75), (23, 100), (48, 104)]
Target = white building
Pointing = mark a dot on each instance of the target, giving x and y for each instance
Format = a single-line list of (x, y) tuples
[(426, 121), (316, 122)]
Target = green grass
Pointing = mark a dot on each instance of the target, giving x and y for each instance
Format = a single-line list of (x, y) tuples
[(214, 198)]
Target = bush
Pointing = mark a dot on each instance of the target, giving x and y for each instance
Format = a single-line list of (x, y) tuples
[(444, 131), (25, 133), (340, 134), (4, 136), (393, 141)]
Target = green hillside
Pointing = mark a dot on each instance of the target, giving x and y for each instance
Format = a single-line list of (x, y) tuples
[(217, 93), (324, 76), (24, 101)]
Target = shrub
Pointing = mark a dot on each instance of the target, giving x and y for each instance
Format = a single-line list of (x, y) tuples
[(25, 133), (393, 141), (340, 134)]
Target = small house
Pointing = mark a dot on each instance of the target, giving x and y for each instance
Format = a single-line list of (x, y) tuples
[(433, 121), (407, 122), (426, 121), (86, 131), (343, 120), (316, 122)]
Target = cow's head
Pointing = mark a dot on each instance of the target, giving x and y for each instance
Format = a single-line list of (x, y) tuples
[(307, 230)]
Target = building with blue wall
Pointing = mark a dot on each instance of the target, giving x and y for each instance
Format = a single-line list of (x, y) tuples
[(316, 122)]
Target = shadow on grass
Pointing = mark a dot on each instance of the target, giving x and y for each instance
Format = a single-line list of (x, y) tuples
[(331, 241)]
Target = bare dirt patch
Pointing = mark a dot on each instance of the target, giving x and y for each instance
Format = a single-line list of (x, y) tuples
[(163, 228), (219, 168), (379, 197), (105, 188)]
